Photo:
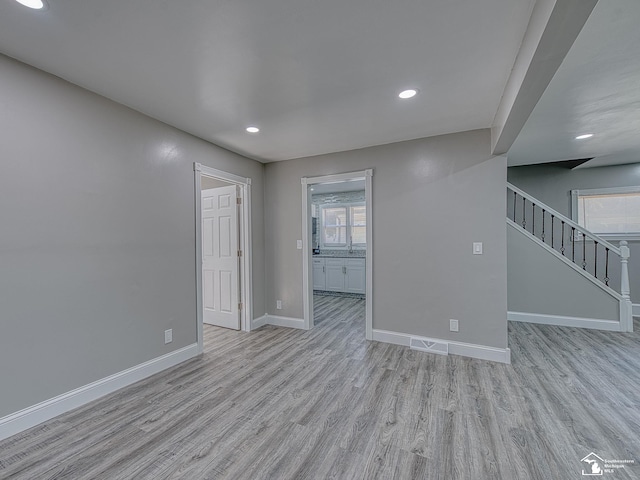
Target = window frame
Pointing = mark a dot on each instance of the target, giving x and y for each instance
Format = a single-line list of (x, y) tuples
[(366, 218), (347, 207), (323, 226), (575, 198)]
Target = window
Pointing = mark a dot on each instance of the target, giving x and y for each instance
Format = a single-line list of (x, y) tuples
[(334, 226), (344, 224), (608, 212), (358, 223)]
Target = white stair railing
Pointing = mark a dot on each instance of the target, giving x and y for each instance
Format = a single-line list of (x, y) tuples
[(576, 245)]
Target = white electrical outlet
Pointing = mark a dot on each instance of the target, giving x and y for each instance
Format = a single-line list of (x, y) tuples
[(299, 244), (453, 325), (168, 336), (477, 248), (279, 304)]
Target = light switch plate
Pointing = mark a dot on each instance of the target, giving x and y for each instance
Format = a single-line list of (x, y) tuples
[(477, 248), (168, 336), (453, 325), (299, 244)]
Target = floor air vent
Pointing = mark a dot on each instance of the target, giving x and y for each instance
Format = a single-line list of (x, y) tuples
[(427, 345)]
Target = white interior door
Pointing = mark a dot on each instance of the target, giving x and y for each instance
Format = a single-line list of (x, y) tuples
[(220, 262)]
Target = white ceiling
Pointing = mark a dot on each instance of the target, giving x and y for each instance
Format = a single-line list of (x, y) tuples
[(315, 76), (595, 90)]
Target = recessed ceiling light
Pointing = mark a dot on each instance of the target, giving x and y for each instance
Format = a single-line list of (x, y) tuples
[(311, 189), (586, 135), (253, 129), (408, 93), (35, 4)]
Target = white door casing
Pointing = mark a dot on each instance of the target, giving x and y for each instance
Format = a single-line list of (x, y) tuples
[(307, 265), (220, 265)]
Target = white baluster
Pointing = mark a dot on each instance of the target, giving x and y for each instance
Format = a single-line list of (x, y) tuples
[(626, 318), (624, 259)]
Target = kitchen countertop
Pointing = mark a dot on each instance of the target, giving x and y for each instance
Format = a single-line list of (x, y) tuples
[(338, 255)]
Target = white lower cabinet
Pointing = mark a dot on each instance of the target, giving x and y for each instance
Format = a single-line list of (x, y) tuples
[(339, 274), (319, 276), (355, 279), (335, 274)]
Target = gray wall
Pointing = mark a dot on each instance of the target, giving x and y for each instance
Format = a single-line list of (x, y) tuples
[(97, 239), (432, 198), (539, 283), (553, 184)]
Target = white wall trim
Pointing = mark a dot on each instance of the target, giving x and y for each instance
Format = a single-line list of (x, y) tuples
[(222, 175), (259, 322), (36, 414), (307, 269), (277, 321), (563, 321), (482, 352), (636, 309), (288, 322), (368, 198), (338, 177), (387, 336)]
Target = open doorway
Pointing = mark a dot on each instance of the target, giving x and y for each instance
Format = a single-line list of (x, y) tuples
[(223, 250), (337, 246)]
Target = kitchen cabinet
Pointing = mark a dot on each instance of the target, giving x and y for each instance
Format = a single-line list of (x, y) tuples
[(335, 274), (319, 276), (339, 274), (355, 279)]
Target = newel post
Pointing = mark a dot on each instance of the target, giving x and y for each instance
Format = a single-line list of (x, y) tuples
[(626, 316)]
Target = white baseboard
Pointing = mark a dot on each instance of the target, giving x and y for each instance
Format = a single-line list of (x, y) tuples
[(259, 322), (289, 322), (561, 321), (387, 336), (32, 416), (482, 352), (636, 309)]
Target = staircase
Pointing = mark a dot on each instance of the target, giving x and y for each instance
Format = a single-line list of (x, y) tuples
[(567, 274)]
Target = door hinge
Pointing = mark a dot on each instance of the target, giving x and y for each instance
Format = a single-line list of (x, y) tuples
[(240, 306), (239, 200), (239, 253)]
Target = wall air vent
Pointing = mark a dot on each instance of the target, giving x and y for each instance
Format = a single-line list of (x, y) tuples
[(428, 345)]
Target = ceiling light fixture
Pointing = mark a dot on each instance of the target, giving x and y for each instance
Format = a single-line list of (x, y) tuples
[(253, 129), (35, 4), (586, 135), (408, 93)]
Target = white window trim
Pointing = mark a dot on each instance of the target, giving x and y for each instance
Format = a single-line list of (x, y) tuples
[(339, 246), (575, 194)]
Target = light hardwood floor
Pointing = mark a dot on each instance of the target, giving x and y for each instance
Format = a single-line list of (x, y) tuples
[(288, 404)]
